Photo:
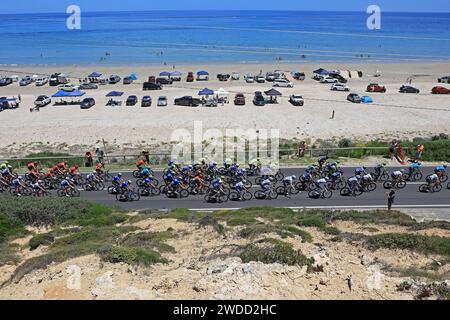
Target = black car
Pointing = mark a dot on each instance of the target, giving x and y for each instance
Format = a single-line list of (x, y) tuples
[(408, 89), (223, 76), (146, 101), (151, 86), (187, 101), (163, 80), (87, 103), (132, 101), (5, 81), (127, 80), (445, 79), (259, 100), (114, 79), (353, 97)]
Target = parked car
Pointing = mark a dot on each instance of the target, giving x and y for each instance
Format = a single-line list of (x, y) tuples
[(87, 103), (440, 90), (127, 80), (239, 99), (260, 78), (132, 101), (235, 76), (103, 81), (151, 86), (67, 87), (114, 79), (339, 87), (299, 76), (187, 101), (57, 79), (41, 82), (190, 77), (375, 87), (146, 101), (25, 81), (408, 89), (5, 81), (296, 100), (445, 79), (42, 101), (283, 83), (270, 76), (88, 86), (328, 79), (152, 79), (162, 101), (259, 100), (164, 80), (353, 97), (249, 78), (223, 76)]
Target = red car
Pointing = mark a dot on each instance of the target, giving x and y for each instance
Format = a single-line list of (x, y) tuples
[(440, 90), (190, 77), (373, 87), (239, 99)]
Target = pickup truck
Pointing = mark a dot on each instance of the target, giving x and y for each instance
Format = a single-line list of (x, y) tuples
[(187, 101)]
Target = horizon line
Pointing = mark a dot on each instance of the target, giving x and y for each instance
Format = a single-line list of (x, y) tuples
[(222, 10)]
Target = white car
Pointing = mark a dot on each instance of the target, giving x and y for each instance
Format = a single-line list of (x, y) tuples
[(41, 82), (339, 87), (249, 78), (328, 80), (67, 87), (42, 101), (283, 83), (296, 100)]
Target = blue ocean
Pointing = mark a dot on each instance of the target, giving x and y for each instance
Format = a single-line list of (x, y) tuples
[(171, 37)]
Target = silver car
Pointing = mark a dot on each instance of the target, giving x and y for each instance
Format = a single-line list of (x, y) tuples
[(162, 101)]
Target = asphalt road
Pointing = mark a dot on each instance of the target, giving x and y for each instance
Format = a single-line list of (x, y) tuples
[(409, 197)]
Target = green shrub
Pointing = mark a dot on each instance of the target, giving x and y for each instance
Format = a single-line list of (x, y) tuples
[(7, 254), (149, 240), (131, 256), (41, 239), (10, 227)]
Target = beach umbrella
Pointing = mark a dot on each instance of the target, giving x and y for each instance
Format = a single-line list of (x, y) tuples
[(205, 92), (272, 93), (115, 94), (133, 76), (366, 99)]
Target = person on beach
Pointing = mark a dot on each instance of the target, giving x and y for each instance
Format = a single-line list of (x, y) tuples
[(390, 198)]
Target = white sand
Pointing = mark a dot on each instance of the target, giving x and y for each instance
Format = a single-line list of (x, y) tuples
[(392, 115)]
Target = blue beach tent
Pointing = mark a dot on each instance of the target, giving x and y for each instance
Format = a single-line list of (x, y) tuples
[(115, 94), (203, 73), (95, 75), (206, 92), (366, 99), (67, 94), (164, 74)]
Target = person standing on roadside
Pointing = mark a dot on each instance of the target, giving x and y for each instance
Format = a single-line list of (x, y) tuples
[(419, 151), (392, 148), (390, 198)]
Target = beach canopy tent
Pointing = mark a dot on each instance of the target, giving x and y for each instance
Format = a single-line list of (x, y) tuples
[(176, 74), (8, 99), (321, 71), (206, 92), (366, 99), (272, 93), (164, 74), (133, 76), (95, 75), (115, 94), (203, 73), (67, 94), (221, 92)]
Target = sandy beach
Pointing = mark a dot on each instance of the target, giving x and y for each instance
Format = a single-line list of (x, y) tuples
[(392, 114)]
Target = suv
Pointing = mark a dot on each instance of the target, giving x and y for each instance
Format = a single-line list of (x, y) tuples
[(296, 100), (87, 103), (151, 86), (283, 83), (223, 76), (408, 89), (259, 100), (353, 97), (190, 77), (374, 87), (187, 101), (440, 90), (127, 80), (260, 78), (339, 87), (67, 87), (25, 81), (270, 76), (131, 101), (162, 101), (239, 99), (42, 101), (5, 81), (164, 80), (249, 78), (445, 79), (146, 101), (299, 76), (328, 79), (88, 86), (41, 82), (114, 79)]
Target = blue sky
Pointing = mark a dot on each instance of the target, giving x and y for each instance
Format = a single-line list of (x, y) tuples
[(38, 6)]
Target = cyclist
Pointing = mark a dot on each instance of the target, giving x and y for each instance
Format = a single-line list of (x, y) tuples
[(38, 186), (32, 166), (67, 184), (321, 183), (141, 164), (288, 182), (266, 184), (360, 171), (432, 180), (18, 185), (440, 170), (378, 169), (321, 161), (239, 187), (352, 182), (397, 175), (99, 168), (117, 179)]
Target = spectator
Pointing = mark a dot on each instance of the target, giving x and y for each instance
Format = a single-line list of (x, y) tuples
[(390, 198), (146, 156), (392, 148), (301, 149), (89, 159), (100, 155), (419, 150)]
